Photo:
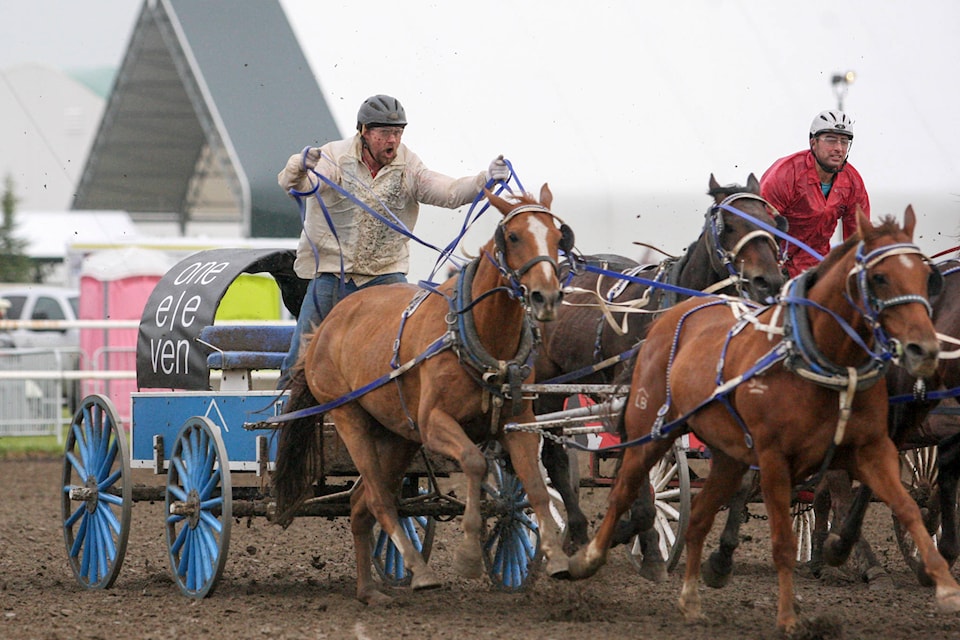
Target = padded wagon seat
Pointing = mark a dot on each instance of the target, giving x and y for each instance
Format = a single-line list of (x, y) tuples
[(247, 346)]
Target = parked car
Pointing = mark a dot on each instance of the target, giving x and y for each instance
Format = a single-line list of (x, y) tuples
[(43, 302)]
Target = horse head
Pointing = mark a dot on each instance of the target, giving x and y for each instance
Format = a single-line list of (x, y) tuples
[(739, 247), (527, 243), (893, 281)]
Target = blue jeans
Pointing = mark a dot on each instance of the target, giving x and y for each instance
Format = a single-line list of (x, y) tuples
[(322, 293)]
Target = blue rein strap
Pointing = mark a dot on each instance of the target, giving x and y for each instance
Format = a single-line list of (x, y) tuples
[(440, 344), (771, 229)]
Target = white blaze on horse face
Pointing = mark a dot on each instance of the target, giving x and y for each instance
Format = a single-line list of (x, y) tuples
[(906, 262), (539, 230)]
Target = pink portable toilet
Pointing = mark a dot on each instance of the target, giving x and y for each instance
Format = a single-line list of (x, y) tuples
[(115, 285)]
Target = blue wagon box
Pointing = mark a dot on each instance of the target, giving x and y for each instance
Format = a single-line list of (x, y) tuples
[(158, 416)]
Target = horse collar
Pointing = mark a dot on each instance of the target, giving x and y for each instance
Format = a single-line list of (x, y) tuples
[(804, 357), (492, 373)]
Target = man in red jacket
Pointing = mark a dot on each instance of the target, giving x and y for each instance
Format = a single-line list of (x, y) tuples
[(817, 188)]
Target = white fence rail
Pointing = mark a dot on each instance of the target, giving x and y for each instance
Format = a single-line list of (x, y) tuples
[(40, 387)]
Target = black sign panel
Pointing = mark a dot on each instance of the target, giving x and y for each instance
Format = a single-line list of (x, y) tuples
[(186, 300)]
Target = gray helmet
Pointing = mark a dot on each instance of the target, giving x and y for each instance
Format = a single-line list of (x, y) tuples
[(383, 111), (833, 122)]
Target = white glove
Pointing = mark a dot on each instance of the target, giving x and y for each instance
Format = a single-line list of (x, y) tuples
[(311, 158), (498, 169)]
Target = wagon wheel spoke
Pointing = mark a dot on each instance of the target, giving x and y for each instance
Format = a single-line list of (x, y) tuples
[(199, 507), (670, 478), (919, 472), (96, 495)]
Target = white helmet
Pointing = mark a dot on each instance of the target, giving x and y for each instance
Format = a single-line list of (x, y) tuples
[(832, 121)]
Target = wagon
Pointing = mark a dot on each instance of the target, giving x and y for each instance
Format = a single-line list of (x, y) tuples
[(200, 382)]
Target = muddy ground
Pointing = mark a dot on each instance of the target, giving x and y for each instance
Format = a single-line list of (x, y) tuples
[(299, 583)]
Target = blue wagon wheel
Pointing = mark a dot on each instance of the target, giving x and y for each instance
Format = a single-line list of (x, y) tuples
[(511, 545), (96, 495), (199, 507), (670, 478), (387, 559)]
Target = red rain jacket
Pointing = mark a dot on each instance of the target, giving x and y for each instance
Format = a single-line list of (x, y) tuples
[(792, 185)]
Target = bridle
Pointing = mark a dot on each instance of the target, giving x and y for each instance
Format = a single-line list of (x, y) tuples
[(725, 260)]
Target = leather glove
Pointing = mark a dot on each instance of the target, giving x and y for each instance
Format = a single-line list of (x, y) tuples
[(498, 169)]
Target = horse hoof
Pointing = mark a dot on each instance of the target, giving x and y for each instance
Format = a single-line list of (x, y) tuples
[(713, 578), (877, 579), (425, 579), (468, 563), (579, 568), (374, 598), (834, 553), (559, 568), (653, 570), (949, 602)]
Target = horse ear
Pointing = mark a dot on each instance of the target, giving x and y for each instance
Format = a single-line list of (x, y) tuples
[(909, 221), (502, 205), (863, 223), (546, 196), (714, 185), (753, 185)]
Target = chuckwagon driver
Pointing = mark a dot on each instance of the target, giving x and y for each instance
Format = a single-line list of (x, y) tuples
[(376, 168), (817, 188)]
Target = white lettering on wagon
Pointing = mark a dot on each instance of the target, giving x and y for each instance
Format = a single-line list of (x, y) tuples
[(176, 313)]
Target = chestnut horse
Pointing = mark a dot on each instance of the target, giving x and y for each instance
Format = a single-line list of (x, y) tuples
[(909, 428), (790, 388), (461, 345), (731, 255)]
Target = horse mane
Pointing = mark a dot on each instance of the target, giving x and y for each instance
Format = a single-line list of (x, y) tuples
[(728, 190), (888, 225)]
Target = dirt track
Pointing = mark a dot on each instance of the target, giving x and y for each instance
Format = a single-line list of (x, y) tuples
[(299, 583)]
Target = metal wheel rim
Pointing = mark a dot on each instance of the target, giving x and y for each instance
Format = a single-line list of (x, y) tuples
[(670, 478), (96, 495), (920, 466), (197, 544)]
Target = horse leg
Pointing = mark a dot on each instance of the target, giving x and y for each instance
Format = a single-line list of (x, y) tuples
[(381, 460), (632, 476), (718, 489), (642, 517), (948, 461), (557, 463), (524, 451), (444, 435), (878, 467), (841, 539), (776, 485), (821, 525), (840, 489), (717, 568)]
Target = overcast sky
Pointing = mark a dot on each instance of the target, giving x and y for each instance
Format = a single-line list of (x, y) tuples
[(625, 108)]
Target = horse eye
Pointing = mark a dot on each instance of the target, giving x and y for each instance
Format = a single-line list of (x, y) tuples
[(878, 279), (513, 237), (727, 228)]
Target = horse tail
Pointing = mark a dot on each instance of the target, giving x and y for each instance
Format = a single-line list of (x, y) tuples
[(299, 451)]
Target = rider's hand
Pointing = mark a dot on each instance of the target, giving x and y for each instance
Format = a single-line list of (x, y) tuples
[(498, 169), (311, 158)]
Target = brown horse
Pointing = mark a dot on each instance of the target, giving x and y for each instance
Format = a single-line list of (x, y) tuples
[(731, 255), (910, 428), (450, 401), (787, 388)]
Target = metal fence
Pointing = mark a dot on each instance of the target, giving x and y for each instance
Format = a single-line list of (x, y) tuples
[(40, 388)]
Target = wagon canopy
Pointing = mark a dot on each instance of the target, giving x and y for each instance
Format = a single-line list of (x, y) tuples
[(186, 300)]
